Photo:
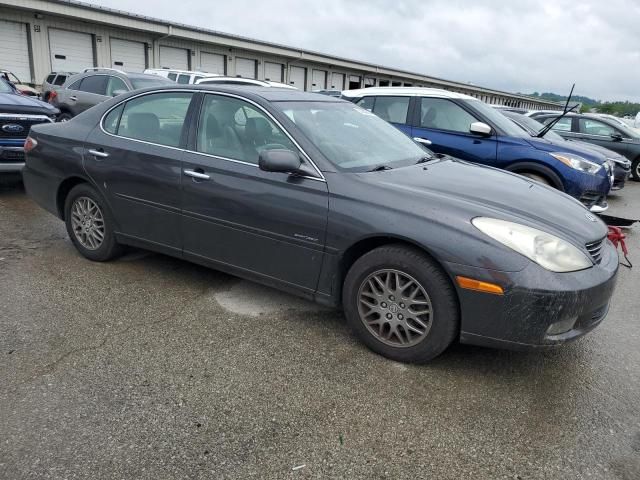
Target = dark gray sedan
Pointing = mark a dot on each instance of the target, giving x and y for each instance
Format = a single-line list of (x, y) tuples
[(321, 198)]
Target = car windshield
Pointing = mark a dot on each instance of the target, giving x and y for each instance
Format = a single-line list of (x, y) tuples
[(532, 126), (144, 82), (352, 138), (498, 119), (5, 87)]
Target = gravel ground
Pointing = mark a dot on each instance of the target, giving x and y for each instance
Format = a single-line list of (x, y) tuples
[(151, 367)]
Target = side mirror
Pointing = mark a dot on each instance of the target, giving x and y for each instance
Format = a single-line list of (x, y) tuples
[(118, 92), (279, 160), (616, 137), (480, 128)]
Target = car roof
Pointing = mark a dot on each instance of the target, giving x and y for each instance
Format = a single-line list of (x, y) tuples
[(406, 91)]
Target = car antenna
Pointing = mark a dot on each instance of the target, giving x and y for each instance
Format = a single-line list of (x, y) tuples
[(566, 110)]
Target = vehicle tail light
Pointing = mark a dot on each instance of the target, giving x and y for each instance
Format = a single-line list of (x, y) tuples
[(52, 95), (29, 144)]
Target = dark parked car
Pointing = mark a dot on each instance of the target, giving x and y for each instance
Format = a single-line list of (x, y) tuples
[(599, 131), (94, 86), (464, 127), (17, 114), (321, 198), (621, 166)]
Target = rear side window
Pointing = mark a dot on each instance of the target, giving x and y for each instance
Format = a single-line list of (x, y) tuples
[(443, 114), (114, 85), (156, 118), (392, 109), (75, 85), (562, 125), (50, 78), (112, 119), (184, 79), (172, 76), (94, 84), (60, 79)]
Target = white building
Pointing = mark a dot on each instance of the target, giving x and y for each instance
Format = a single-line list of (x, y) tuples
[(40, 36)]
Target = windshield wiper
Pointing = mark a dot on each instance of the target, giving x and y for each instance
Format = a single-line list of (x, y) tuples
[(550, 125), (380, 168)]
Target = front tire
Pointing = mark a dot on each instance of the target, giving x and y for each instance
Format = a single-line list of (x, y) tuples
[(89, 224), (64, 117), (537, 178), (401, 304)]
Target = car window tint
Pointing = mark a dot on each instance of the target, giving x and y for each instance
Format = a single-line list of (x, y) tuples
[(594, 127), (115, 84), (172, 76), (231, 128), (366, 103), (50, 78), (94, 84), (75, 85), (156, 118), (562, 125), (443, 114), (392, 109), (60, 79), (184, 79), (111, 120)]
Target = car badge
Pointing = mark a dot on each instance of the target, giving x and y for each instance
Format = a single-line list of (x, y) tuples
[(590, 217), (12, 128)]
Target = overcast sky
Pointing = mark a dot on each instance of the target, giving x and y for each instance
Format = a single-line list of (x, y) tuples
[(523, 45)]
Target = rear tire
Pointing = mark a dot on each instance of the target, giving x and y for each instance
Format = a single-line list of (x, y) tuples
[(409, 313), (635, 170), (90, 224)]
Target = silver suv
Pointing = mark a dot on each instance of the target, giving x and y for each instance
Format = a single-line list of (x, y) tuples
[(94, 86)]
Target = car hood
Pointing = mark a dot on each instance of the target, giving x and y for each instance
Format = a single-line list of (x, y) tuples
[(468, 190), (597, 148), (15, 103), (548, 145)]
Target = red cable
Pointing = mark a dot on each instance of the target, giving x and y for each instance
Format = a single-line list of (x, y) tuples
[(616, 237)]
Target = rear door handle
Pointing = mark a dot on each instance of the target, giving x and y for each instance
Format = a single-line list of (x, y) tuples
[(98, 153), (421, 140), (198, 175), (73, 97)]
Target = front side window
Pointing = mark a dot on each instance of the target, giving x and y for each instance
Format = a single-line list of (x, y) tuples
[(59, 80), (594, 127), (50, 78), (156, 118), (114, 85), (443, 114), (232, 128), (366, 103), (392, 109), (96, 84), (352, 138)]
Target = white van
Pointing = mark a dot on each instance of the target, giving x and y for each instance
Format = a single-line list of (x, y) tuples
[(185, 77)]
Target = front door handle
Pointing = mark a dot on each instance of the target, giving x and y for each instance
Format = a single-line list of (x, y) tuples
[(73, 97), (198, 175), (98, 153), (421, 140)]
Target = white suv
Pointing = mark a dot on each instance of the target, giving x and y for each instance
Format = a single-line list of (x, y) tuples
[(222, 80), (185, 77)]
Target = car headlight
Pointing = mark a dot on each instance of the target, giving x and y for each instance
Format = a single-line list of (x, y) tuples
[(576, 162), (546, 250), (623, 162)]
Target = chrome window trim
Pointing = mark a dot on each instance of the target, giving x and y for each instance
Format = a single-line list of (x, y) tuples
[(212, 92), (19, 116)]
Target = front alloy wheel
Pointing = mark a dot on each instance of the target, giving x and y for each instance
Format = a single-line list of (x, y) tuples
[(395, 308)]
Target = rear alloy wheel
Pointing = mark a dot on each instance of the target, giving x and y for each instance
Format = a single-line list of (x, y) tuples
[(635, 170), (401, 304), (89, 224)]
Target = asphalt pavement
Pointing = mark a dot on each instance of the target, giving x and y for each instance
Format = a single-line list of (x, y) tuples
[(149, 367)]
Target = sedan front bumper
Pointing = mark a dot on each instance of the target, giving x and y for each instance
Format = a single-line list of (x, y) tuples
[(539, 308)]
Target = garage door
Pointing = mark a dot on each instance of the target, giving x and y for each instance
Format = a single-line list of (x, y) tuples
[(245, 68), (14, 49), (176, 58), (297, 77), (337, 81), (213, 63), (273, 71), (127, 55), (318, 80), (70, 51)]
